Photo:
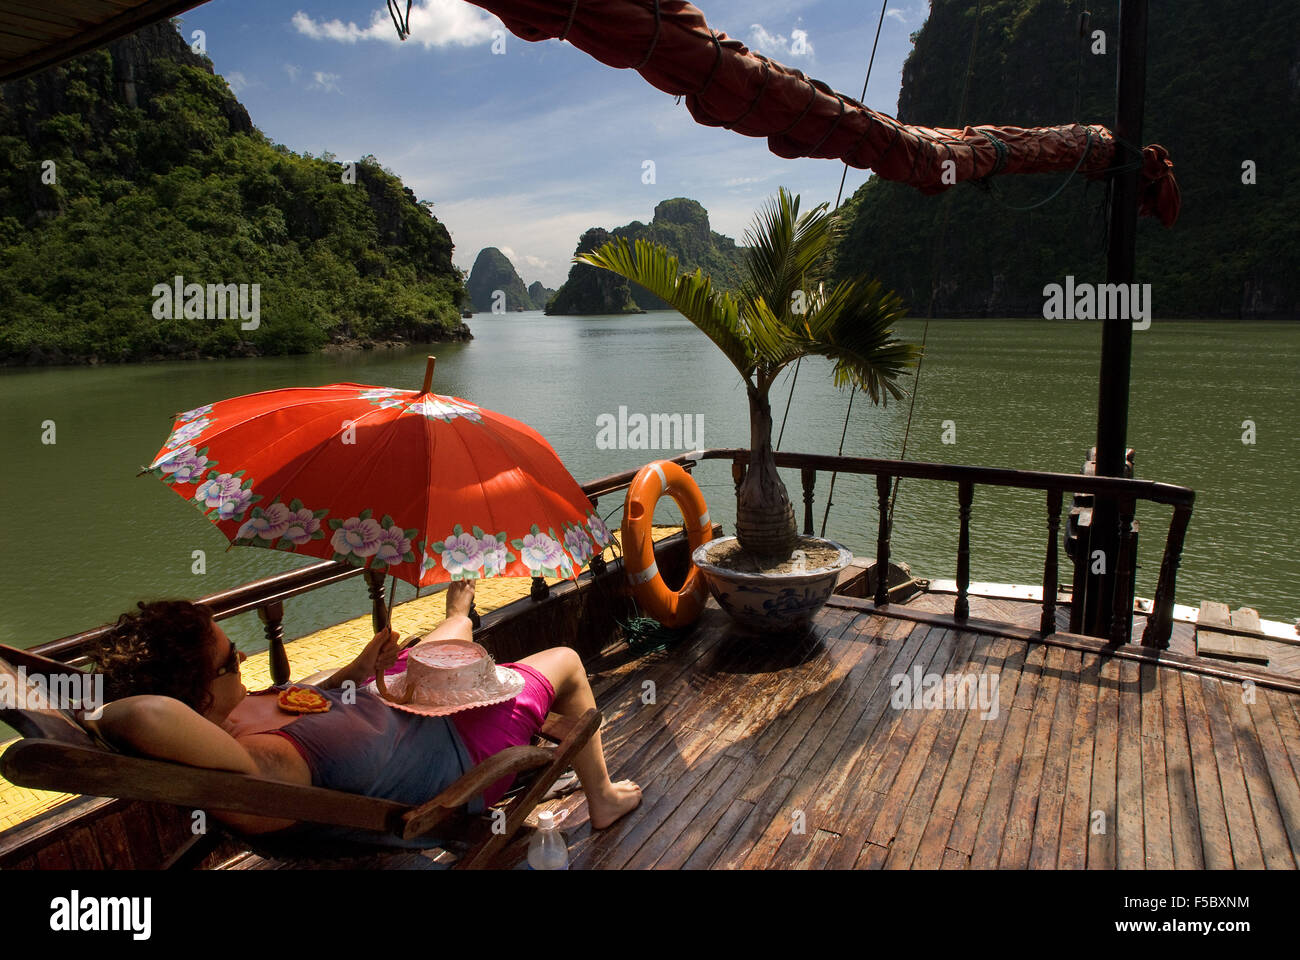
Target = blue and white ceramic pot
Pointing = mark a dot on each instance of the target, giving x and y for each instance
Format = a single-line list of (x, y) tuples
[(770, 602)]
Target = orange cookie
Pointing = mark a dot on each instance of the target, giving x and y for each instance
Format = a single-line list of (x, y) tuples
[(302, 700)]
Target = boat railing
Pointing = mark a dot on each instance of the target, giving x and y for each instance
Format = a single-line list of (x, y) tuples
[(267, 596), (1123, 491)]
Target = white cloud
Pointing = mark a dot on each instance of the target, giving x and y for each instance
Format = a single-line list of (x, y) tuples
[(897, 14), (509, 252), (537, 263), (328, 82), (292, 71), (433, 23), (238, 82), (776, 45), (742, 181)]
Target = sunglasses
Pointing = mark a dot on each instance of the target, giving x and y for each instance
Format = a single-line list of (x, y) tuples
[(232, 662)]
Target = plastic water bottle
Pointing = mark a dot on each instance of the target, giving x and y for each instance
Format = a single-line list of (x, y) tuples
[(547, 849)]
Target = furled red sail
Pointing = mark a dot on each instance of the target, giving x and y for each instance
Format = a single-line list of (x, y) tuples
[(726, 85)]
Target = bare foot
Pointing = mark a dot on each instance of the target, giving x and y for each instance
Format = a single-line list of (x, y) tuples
[(621, 798)]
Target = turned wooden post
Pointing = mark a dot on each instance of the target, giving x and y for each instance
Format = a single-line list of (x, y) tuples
[(1121, 617), (882, 540), (965, 493), (1161, 621), (809, 477), (272, 617)]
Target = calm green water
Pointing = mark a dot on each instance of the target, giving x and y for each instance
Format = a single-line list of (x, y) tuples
[(86, 538)]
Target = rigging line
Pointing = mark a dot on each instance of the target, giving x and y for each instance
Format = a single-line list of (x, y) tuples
[(987, 182), (934, 263), (830, 492), (843, 433), (863, 99), (871, 61), (402, 23)]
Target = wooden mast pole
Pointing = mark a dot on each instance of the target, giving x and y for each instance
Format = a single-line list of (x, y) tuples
[(1117, 332)]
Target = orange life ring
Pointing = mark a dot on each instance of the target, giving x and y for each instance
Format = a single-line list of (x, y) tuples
[(652, 482)]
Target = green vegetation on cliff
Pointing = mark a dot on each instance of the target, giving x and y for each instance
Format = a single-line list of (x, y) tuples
[(133, 165), (679, 224), (1220, 89)]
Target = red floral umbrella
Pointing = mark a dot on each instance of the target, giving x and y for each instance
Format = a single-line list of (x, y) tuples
[(424, 487)]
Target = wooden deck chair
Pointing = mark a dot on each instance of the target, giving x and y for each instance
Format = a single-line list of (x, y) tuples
[(58, 753)]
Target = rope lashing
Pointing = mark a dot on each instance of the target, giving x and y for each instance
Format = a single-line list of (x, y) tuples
[(803, 113), (1000, 147), (757, 97), (1055, 193), (836, 123), (654, 41), (717, 58), (402, 23), (568, 24)]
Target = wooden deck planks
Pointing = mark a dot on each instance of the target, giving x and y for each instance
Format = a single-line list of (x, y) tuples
[(1076, 810), (1093, 761), (1184, 817), (825, 752), (930, 851), (1269, 828), (848, 765), (1046, 837), (853, 809), (1157, 838), (979, 785), (1129, 822), (841, 656), (1033, 798), (872, 681), (1246, 851), (899, 764), (1027, 707), (1105, 757), (1286, 789), (1215, 844), (972, 657)]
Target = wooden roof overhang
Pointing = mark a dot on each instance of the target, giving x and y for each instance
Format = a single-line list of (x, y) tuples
[(35, 34)]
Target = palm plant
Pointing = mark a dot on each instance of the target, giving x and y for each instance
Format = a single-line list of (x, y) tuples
[(784, 311)]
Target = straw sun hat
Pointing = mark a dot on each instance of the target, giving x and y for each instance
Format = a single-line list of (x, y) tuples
[(447, 677)]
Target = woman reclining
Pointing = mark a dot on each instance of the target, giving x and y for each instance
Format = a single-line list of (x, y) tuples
[(178, 695)]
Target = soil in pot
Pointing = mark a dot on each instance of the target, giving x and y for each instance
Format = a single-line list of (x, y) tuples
[(817, 555)]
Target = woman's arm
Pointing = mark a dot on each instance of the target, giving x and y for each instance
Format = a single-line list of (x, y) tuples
[(167, 729)]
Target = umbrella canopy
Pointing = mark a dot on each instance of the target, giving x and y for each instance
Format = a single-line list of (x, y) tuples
[(424, 487)]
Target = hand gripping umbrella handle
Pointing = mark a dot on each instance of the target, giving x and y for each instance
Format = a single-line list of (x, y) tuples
[(380, 686)]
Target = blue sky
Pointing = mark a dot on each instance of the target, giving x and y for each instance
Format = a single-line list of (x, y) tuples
[(525, 149)]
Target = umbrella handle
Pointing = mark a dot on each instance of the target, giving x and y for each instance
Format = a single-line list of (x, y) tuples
[(382, 688)]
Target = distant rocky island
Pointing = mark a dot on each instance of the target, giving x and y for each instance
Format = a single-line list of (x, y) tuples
[(496, 287), (681, 225)]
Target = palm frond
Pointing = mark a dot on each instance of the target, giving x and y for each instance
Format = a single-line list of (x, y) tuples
[(785, 251), (715, 312), (852, 325), (771, 337)]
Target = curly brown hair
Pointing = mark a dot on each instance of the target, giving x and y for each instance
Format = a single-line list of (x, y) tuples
[(161, 649)]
